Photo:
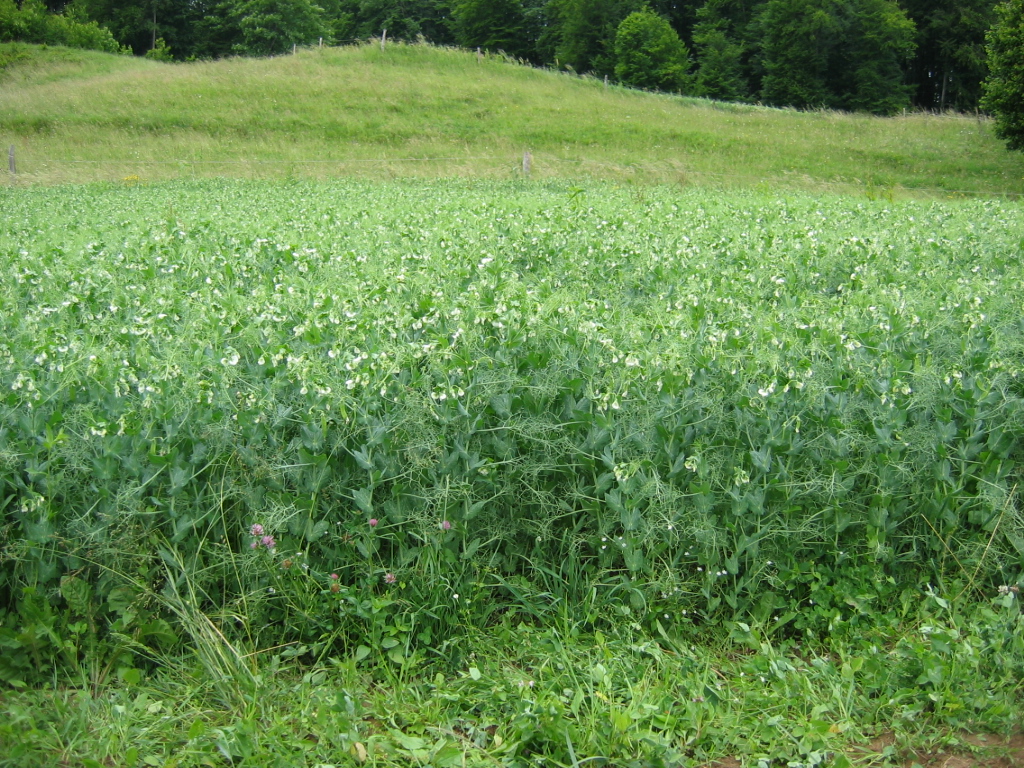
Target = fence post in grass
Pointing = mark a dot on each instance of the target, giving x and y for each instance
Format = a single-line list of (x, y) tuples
[(527, 162), (606, 81), (479, 54), (321, 42), (383, 38), (10, 161)]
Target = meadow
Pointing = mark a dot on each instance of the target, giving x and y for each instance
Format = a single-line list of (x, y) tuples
[(419, 111), (463, 472)]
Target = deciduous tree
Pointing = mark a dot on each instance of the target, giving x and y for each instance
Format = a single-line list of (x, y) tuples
[(950, 63), (720, 70), (403, 19), (797, 38), (273, 26), (649, 53), (492, 25), (843, 54), (1004, 87), (587, 30)]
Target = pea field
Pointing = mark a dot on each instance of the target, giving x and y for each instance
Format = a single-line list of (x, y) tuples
[(362, 421)]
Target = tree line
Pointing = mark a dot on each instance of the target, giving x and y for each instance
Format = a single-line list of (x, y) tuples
[(879, 56)]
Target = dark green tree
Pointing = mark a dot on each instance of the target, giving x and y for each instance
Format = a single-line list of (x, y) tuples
[(272, 27), (873, 55), (216, 33), (138, 23), (798, 37), (1004, 87), (403, 19), (586, 29), (649, 53), (725, 43), (492, 25), (720, 70), (681, 14), (950, 64), (843, 54)]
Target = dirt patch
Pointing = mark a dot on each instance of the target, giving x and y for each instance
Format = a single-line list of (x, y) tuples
[(978, 750)]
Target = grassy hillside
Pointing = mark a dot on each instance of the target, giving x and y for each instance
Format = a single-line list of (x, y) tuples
[(422, 111)]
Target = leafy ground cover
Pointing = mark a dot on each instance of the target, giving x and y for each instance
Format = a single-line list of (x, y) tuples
[(506, 474), (416, 110)]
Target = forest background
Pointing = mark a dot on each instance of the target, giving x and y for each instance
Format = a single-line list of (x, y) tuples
[(878, 56)]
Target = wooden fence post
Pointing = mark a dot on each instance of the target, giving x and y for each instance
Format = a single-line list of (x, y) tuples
[(383, 38), (479, 54), (10, 161), (527, 162)]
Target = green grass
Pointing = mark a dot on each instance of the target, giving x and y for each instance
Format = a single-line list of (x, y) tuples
[(421, 111), (557, 696)]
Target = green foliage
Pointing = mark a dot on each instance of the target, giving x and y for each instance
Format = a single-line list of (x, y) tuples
[(720, 71), (137, 24), (649, 53), (492, 25), (218, 33), (160, 52), (823, 53), (725, 41), (586, 32), (31, 23), (405, 20), (949, 64), (878, 42), (1004, 88), (798, 36), (271, 27), (467, 400)]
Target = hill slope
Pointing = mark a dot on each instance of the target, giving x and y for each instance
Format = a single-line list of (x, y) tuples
[(418, 110)]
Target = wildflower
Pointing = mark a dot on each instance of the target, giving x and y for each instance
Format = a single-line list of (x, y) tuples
[(254, 545), (256, 530), (373, 522), (268, 542), (390, 578), (287, 563), (335, 587), (446, 525), (334, 576)]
